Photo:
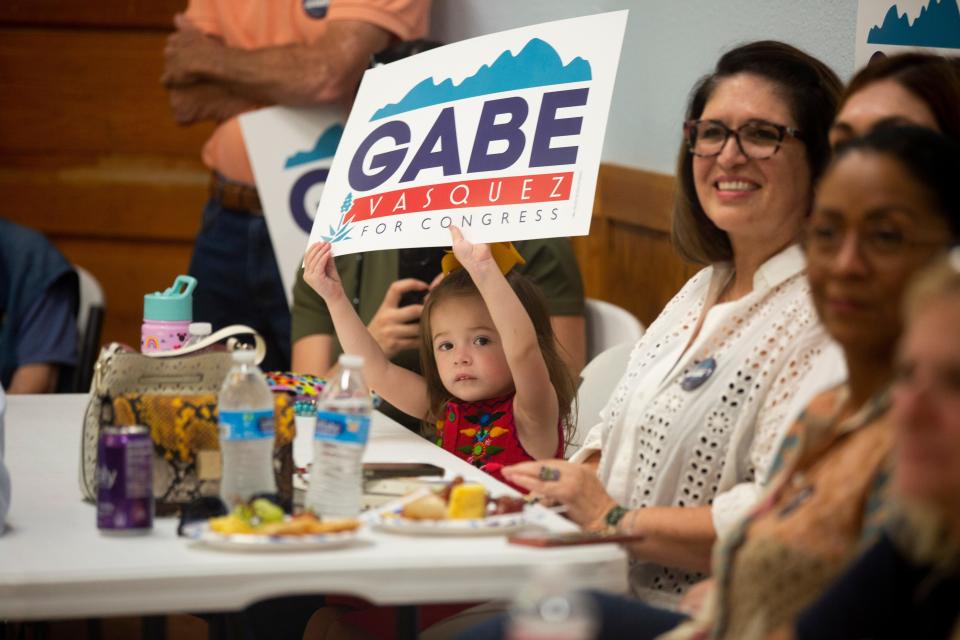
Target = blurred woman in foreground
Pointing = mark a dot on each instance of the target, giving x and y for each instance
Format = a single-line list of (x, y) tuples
[(908, 584)]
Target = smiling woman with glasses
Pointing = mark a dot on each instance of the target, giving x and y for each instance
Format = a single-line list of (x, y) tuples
[(689, 431)]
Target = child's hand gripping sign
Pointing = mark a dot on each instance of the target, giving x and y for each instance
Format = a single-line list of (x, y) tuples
[(499, 135), (493, 384)]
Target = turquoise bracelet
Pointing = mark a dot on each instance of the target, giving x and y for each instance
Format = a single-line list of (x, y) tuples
[(615, 515)]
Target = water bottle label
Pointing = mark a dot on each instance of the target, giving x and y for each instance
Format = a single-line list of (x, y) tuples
[(246, 425), (342, 427)]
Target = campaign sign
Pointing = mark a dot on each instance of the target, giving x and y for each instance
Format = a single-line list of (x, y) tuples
[(499, 135), (888, 27), (291, 151)]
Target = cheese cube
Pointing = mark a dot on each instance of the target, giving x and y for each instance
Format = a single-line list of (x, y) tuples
[(467, 501)]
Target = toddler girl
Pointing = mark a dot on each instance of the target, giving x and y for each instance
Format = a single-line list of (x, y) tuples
[(493, 382)]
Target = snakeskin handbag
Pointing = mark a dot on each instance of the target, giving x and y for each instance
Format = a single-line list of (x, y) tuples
[(174, 394)]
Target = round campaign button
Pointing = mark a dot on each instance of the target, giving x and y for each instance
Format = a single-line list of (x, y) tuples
[(700, 374), (316, 8)]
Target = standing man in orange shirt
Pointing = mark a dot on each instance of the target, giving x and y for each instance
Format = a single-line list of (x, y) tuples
[(231, 56)]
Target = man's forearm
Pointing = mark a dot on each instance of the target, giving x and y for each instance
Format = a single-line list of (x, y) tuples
[(206, 101), (299, 75), (36, 377)]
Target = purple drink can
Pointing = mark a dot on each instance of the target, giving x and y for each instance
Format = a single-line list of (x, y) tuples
[(125, 481)]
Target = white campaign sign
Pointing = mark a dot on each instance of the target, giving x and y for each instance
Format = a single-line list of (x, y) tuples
[(893, 26), (500, 135), (291, 151)]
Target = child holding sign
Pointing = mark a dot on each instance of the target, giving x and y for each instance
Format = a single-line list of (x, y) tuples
[(493, 383)]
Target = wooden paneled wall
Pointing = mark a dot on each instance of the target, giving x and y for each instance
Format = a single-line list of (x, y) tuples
[(627, 259), (90, 155), (89, 152)]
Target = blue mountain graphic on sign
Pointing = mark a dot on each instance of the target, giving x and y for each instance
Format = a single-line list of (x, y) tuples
[(938, 25), (325, 148), (538, 64)]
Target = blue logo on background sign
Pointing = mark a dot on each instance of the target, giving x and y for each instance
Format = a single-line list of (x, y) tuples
[(298, 194), (325, 147), (316, 8)]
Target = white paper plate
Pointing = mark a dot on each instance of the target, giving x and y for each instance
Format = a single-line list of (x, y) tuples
[(391, 521), (200, 533)]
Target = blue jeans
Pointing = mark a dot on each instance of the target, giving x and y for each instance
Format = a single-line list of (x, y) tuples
[(238, 281), (620, 617)]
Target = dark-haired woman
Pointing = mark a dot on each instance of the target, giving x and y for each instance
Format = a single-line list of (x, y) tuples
[(712, 386), (911, 88)]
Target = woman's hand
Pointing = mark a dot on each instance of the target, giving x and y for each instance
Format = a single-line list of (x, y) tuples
[(471, 256), (573, 485), (320, 271)]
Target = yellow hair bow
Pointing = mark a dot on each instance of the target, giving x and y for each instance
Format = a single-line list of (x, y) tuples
[(504, 254)]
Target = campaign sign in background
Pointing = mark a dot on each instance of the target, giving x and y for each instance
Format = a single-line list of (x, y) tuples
[(291, 151), (500, 135), (894, 26)]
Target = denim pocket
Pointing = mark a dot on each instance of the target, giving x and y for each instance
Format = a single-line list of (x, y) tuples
[(210, 214)]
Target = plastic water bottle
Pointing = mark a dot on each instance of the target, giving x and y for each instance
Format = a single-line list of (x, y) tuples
[(549, 607), (246, 431), (343, 425)]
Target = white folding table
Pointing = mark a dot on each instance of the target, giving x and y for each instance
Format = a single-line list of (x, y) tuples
[(55, 564)]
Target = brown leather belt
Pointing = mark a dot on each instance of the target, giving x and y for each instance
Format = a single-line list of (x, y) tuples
[(235, 195)]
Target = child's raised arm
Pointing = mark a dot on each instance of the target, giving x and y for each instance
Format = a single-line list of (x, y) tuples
[(403, 389), (535, 407)]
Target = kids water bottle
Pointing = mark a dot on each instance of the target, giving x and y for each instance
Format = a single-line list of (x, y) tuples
[(167, 316)]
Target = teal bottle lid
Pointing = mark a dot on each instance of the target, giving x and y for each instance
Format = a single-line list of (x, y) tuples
[(174, 304)]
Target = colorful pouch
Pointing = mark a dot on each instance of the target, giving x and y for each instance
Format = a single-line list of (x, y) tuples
[(187, 444)]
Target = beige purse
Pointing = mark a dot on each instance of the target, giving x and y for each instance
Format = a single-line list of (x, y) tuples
[(123, 375)]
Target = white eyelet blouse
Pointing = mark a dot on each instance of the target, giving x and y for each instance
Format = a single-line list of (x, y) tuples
[(665, 446)]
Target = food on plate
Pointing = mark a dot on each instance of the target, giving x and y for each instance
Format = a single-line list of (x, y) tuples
[(460, 500), (430, 507), (306, 524), (230, 525), (467, 501), (267, 511), (264, 518), (505, 504)]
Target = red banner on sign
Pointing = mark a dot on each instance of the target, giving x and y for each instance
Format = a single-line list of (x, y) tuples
[(547, 187)]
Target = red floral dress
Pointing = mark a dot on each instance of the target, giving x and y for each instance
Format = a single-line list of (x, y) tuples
[(483, 434)]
